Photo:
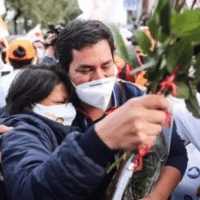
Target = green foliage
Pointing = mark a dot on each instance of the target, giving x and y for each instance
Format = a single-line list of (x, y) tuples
[(176, 39), (43, 11), (183, 90), (175, 31), (143, 41), (125, 52), (187, 25), (159, 23), (179, 52)]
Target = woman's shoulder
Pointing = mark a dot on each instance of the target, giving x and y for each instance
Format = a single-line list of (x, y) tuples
[(26, 123), (27, 128), (22, 118)]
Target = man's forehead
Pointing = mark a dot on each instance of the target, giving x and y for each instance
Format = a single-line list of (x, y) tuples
[(93, 51)]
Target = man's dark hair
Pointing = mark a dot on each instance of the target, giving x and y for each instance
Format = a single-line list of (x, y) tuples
[(32, 85), (79, 34)]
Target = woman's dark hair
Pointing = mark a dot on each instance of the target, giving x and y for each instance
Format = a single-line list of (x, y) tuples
[(79, 34), (32, 85)]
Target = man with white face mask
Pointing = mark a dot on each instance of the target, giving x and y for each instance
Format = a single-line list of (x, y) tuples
[(85, 51)]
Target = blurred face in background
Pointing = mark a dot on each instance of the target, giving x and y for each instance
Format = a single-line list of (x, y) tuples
[(40, 50)]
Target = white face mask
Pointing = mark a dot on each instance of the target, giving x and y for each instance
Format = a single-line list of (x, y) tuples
[(96, 93), (40, 53), (63, 113)]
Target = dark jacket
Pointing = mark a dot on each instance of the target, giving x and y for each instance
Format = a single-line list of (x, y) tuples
[(45, 160)]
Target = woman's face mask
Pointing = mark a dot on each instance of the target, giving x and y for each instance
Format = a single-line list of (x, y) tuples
[(55, 106), (63, 113)]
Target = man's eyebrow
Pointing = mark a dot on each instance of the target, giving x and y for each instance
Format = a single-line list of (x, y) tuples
[(107, 62), (91, 66)]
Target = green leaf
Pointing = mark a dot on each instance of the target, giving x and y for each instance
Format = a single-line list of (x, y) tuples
[(159, 22), (186, 58), (196, 78), (151, 63), (154, 26), (186, 21), (183, 91), (193, 106), (165, 21), (174, 55), (143, 41), (147, 65), (191, 36), (187, 25), (132, 56), (155, 73), (120, 43)]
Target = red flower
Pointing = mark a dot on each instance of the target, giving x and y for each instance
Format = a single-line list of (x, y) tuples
[(168, 83), (141, 152)]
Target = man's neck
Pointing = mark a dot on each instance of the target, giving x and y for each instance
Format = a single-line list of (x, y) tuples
[(94, 113)]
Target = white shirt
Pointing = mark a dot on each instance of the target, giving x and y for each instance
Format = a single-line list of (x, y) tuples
[(6, 81), (187, 188), (188, 127), (5, 68), (2, 98)]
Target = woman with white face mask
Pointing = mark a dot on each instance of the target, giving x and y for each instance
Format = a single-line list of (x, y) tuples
[(40, 112), (44, 90)]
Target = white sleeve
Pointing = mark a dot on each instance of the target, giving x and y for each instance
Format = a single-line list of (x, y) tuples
[(188, 127), (2, 96)]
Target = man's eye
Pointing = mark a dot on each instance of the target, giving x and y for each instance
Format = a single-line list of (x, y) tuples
[(85, 70), (106, 67)]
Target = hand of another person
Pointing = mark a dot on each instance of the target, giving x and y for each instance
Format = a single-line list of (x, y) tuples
[(4, 129), (134, 124), (50, 38)]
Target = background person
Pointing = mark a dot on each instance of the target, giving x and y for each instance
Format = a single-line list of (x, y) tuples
[(19, 54), (40, 50), (188, 129), (50, 42)]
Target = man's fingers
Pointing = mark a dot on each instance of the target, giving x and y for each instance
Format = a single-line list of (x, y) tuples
[(155, 116), (4, 129), (156, 102)]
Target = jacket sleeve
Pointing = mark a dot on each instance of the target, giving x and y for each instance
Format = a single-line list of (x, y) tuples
[(34, 169), (178, 154)]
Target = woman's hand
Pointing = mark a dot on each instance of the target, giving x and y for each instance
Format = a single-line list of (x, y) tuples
[(4, 129)]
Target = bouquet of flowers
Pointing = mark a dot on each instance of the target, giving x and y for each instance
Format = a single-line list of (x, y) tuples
[(175, 29)]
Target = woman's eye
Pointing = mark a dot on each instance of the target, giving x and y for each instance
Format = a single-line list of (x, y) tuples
[(60, 102)]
